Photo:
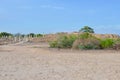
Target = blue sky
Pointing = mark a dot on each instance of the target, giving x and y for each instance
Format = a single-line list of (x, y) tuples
[(50, 16)]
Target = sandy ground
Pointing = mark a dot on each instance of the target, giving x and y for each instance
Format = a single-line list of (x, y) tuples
[(32, 62)]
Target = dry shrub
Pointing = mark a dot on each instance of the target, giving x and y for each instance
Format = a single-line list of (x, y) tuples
[(89, 43), (116, 47), (117, 44)]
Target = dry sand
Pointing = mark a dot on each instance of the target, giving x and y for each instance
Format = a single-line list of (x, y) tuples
[(31, 62)]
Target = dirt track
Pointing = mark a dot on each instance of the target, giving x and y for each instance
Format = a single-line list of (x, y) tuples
[(26, 62)]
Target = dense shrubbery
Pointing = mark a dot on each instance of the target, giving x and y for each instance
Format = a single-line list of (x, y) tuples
[(64, 42), (84, 41), (107, 43)]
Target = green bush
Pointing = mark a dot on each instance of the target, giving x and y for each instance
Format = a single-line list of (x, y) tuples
[(107, 43), (85, 35), (53, 44), (64, 42)]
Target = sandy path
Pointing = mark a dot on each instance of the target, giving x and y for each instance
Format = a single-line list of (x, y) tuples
[(28, 63)]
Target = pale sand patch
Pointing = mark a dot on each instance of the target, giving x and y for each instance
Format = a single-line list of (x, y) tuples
[(26, 62)]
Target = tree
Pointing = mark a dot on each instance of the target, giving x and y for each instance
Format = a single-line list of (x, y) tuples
[(17, 35), (31, 35), (39, 35), (5, 34), (86, 29)]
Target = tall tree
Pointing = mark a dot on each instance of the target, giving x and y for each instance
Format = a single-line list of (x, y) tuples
[(86, 29)]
